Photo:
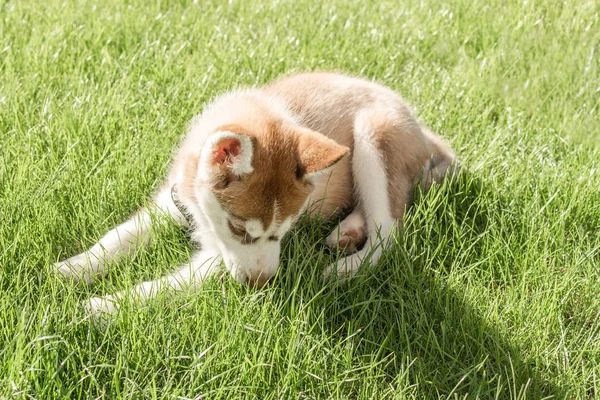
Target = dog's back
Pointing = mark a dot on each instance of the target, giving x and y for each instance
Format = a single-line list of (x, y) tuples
[(329, 103)]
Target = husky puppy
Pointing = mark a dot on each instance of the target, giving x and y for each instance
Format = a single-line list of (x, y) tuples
[(255, 160)]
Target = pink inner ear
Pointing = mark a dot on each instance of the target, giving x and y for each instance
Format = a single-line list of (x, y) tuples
[(225, 150)]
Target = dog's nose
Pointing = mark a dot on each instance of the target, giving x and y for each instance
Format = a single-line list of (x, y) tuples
[(259, 281)]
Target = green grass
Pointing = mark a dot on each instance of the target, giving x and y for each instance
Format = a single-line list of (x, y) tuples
[(492, 291)]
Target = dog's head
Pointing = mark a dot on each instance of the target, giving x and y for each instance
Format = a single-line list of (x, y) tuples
[(255, 178)]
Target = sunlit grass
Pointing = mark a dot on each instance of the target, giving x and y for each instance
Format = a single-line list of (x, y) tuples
[(491, 291)]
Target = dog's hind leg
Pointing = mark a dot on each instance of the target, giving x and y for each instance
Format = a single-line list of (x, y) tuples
[(371, 186), (121, 241), (350, 233)]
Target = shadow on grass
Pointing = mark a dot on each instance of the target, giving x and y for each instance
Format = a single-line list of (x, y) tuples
[(406, 326), (410, 314)]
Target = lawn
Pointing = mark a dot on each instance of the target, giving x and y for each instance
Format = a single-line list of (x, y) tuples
[(491, 291)]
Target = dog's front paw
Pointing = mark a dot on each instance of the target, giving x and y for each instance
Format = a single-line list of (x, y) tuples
[(349, 234), (342, 270), (78, 268), (101, 307)]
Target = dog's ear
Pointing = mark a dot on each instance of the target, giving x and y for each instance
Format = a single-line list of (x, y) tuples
[(317, 153), (226, 156)]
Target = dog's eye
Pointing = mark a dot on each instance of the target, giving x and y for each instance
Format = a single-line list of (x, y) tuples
[(241, 233), (236, 230), (300, 171), (247, 239), (273, 238)]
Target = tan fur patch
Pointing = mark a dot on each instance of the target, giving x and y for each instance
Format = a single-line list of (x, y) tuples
[(274, 189), (329, 102), (317, 152)]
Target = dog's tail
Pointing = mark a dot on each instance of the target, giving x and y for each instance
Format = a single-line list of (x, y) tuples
[(443, 163)]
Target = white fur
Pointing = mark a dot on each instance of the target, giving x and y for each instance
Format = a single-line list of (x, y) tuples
[(371, 184), (284, 227), (247, 263), (255, 228), (118, 243), (186, 277)]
